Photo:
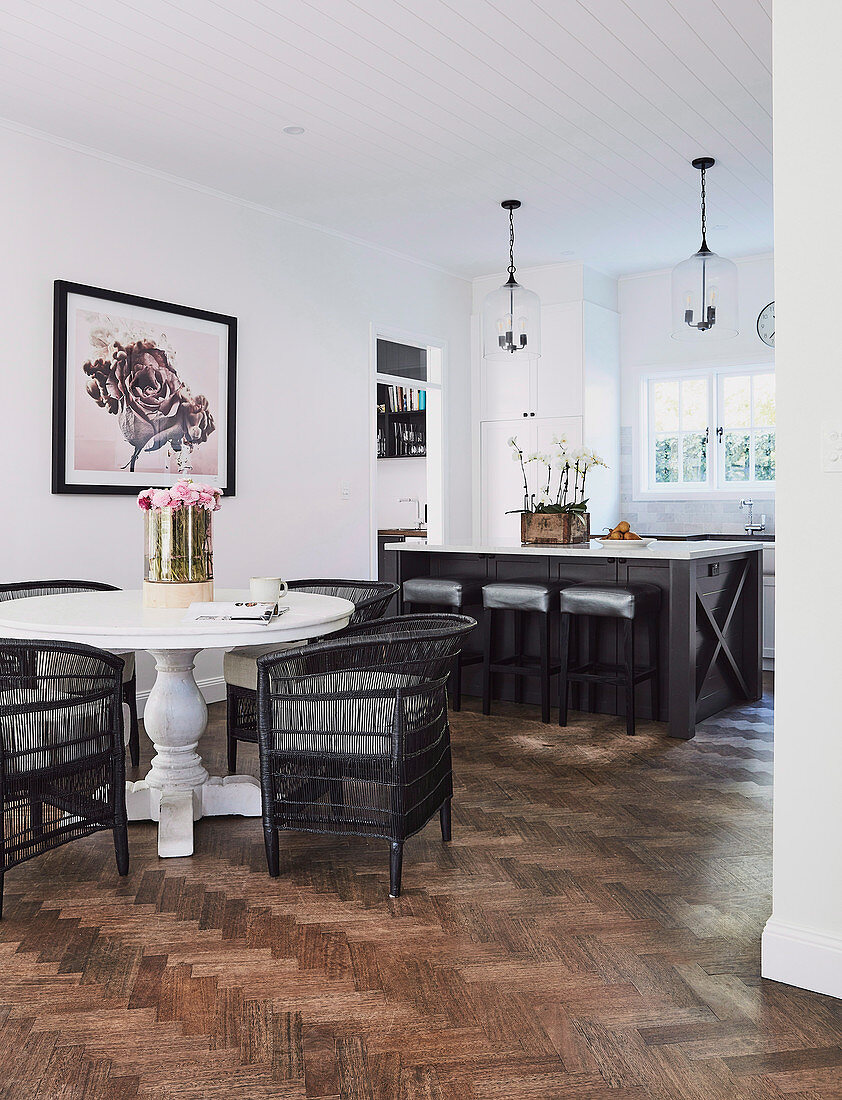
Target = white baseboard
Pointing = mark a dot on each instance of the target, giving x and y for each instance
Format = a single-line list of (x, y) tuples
[(213, 689), (802, 957)]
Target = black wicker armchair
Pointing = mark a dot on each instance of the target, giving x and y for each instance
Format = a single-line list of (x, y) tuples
[(21, 589), (370, 599), (354, 735), (62, 757)]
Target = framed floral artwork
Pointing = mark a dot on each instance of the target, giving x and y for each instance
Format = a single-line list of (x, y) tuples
[(144, 392)]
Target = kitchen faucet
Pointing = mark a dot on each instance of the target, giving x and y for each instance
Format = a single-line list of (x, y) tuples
[(414, 500), (752, 528)]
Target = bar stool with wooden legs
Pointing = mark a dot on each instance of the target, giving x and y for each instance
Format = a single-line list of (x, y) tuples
[(521, 598), (450, 594), (625, 603)]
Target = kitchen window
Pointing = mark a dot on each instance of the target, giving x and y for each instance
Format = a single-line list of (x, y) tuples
[(709, 431)]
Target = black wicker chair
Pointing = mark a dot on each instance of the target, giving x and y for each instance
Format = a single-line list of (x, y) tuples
[(370, 598), (21, 589), (62, 757), (353, 734)]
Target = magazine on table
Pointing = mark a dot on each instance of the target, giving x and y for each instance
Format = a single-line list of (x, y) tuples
[(247, 611)]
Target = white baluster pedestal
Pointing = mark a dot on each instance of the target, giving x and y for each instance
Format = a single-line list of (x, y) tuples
[(178, 790)]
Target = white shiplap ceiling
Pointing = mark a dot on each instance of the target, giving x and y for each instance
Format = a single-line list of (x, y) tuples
[(421, 115)]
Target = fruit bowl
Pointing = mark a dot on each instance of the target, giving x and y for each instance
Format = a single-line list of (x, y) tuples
[(625, 546)]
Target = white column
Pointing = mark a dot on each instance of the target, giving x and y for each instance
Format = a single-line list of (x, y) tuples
[(802, 942)]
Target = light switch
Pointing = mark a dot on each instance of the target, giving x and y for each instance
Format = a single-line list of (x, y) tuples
[(345, 492), (831, 447)]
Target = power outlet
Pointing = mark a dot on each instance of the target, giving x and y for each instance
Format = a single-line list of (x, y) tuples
[(344, 492), (831, 447)]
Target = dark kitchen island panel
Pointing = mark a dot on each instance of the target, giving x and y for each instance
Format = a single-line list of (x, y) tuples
[(710, 628)]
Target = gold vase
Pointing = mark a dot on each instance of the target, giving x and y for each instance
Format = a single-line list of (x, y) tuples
[(178, 556)]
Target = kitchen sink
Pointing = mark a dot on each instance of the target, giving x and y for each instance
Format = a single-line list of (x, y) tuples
[(761, 536), (732, 536)]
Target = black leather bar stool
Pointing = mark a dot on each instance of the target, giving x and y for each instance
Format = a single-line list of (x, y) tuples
[(625, 603), (451, 594), (520, 597)]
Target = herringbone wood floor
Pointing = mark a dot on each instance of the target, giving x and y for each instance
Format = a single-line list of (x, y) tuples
[(592, 932)]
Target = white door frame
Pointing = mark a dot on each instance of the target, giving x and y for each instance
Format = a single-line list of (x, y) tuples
[(417, 340)]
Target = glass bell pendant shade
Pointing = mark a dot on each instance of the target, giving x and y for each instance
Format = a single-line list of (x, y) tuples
[(511, 324), (704, 298), (704, 287)]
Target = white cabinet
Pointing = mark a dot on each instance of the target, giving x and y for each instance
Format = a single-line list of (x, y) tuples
[(506, 390), (573, 389), (502, 477), (549, 386), (558, 386)]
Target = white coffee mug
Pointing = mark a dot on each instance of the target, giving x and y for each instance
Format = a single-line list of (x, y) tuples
[(267, 589)]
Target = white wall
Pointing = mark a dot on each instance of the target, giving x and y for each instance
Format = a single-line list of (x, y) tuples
[(646, 347), (305, 300), (802, 943), (396, 478)]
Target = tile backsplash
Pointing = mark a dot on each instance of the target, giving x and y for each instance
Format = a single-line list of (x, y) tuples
[(682, 517)]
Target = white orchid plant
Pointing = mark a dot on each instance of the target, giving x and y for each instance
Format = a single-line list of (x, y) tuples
[(566, 469)]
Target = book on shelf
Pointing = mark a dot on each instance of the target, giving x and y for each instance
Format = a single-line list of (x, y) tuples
[(250, 611), (405, 399)]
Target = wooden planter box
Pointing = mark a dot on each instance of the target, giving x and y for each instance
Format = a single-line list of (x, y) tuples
[(554, 529)]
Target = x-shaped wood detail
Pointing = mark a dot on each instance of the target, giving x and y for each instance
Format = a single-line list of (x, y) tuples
[(721, 645)]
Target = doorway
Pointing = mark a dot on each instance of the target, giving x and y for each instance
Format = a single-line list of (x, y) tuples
[(407, 438)]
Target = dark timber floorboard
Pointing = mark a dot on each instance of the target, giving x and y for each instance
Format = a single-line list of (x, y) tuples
[(592, 932)]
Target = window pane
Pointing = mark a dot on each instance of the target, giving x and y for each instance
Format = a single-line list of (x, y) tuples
[(737, 456), (666, 459), (401, 360), (665, 406), (736, 394), (764, 456), (694, 457), (764, 400), (694, 404)]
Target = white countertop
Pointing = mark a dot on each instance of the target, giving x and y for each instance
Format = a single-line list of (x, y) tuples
[(663, 551)]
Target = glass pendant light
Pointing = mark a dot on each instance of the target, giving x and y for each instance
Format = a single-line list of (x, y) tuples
[(704, 288), (511, 315)]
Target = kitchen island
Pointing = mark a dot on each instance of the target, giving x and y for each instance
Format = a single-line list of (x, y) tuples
[(710, 627)]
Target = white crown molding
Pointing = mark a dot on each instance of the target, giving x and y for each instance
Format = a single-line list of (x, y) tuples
[(212, 192), (802, 957), (528, 269)]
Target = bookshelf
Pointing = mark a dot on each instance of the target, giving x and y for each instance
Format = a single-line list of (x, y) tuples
[(401, 422)]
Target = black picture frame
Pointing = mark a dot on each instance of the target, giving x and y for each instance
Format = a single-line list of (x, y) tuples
[(62, 289)]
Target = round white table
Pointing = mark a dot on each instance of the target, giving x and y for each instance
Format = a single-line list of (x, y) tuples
[(177, 790)]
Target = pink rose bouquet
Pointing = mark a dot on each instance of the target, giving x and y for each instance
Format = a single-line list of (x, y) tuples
[(181, 495)]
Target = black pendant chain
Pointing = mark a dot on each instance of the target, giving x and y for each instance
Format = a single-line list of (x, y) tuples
[(512, 243), (703, 163)]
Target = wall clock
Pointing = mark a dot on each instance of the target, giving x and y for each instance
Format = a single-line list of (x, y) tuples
[(766, 324)]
